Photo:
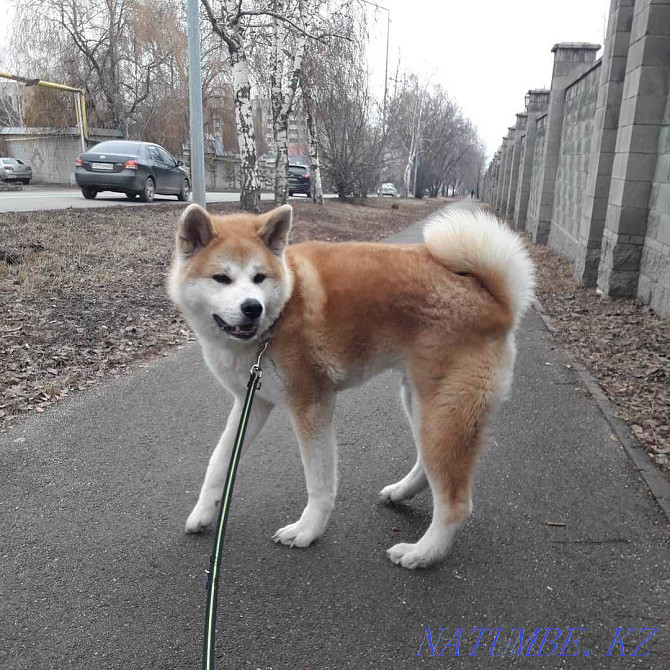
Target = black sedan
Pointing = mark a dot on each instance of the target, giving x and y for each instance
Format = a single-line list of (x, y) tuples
[(139, 169), (299, 180)]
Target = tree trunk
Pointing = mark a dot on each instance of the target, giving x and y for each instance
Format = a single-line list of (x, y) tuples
[(250, 193), (281, 164), (407, 174), (113, 85), (315, 166), (282, 106)]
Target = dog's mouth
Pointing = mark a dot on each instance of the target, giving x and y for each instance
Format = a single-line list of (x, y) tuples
[(242, 331)]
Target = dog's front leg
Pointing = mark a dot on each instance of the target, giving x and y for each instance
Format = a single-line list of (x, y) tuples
[(313, 426), (204, 512)]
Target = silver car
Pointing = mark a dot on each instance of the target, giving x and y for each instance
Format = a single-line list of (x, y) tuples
[(389, 189), (12, 169)]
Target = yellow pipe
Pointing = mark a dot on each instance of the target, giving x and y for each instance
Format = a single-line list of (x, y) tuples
[(59, 87), (6, 75), (39, 82), (83, 115)]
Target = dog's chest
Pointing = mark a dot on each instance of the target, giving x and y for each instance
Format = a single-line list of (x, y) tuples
[(232, 369)]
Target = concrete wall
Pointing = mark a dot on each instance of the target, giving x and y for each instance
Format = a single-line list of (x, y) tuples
[(519, 133), (534, 201), (537, 102), (573, 162), (654, 281), (51, 155), (603, 141), (596, 166), (518, 200), (224, 173)]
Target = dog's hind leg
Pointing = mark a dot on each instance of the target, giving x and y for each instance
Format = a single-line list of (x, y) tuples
[(313, 425), (453, 414), (205, 510), (415, 481)]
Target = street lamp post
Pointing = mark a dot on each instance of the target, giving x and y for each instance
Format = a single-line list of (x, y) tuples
[(197, 153)]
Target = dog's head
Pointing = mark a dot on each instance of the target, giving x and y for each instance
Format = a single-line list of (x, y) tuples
[(229, 275)]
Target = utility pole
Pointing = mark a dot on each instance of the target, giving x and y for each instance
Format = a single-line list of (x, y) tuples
[(197, 154)]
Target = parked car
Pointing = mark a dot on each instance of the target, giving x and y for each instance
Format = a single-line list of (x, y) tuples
[(13, 169), (141, 169), (299, 180), (389, 189)]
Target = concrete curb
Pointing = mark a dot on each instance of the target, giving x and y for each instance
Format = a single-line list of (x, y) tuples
[(660, 489)]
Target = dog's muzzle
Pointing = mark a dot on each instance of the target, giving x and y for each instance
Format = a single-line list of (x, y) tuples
[(241, 331)]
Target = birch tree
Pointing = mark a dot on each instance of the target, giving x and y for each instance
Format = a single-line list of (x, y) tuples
[(344, 119), (313, 138), (407, 122), (232, 25), (285, 69), (299, 27)]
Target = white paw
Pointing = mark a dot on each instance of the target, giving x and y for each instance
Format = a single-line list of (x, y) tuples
[(297, 534), (393, 493), (200, 518), (412, 556)]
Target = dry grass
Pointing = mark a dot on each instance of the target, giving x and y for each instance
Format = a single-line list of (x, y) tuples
[(82, 290)]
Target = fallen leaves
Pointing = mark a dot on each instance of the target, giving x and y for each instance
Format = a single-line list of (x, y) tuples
[(82, 291), (623, 344)]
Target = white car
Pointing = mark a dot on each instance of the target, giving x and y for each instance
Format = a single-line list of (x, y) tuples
[(389, 189)]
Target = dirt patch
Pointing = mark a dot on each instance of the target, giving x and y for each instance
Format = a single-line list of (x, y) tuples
[(624, 345), (82, 292)]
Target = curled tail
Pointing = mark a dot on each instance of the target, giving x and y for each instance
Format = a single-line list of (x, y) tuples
[(476, 242)]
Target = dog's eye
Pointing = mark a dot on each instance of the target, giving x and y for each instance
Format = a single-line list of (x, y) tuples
[(222, 279), (259, 278)]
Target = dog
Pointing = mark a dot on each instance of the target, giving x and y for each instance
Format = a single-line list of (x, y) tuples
[(443, 313)]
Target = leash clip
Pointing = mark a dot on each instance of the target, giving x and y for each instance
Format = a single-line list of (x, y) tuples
[(256, 371)]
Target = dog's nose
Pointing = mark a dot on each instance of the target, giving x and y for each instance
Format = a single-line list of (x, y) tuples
[(251, 308)]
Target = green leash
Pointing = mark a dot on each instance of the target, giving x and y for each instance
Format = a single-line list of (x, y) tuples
[(215, 561)]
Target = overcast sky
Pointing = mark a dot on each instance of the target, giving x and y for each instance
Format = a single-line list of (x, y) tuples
[(486, 53), (6, 12)]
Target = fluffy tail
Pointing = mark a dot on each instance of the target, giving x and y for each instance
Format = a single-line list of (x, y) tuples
[(476, 242)]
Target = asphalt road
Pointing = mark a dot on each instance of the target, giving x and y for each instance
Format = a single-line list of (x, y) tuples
[(34, 198), (96, 573)]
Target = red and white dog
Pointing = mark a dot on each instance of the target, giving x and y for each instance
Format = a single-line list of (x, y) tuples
[(443, 313)]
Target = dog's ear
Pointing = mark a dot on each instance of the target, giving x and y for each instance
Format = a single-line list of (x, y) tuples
[(274, 228), (194, 230)]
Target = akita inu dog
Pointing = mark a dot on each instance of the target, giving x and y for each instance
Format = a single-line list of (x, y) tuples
[(443, 313)]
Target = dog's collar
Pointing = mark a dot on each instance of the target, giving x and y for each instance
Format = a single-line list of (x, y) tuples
[(265, 338), (263, 344)]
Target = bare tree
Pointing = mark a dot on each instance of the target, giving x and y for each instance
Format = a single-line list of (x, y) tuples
[(11, 108), (233, 24), (285, 68), (314, 160), (125, 54), (347, 117), (113, 47), (299, 26), (438, 144)]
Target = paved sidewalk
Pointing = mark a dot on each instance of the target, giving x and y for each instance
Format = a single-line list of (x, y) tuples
[(96, 573)]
